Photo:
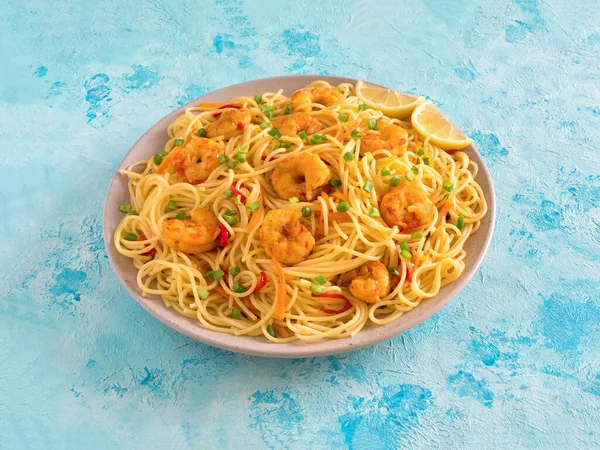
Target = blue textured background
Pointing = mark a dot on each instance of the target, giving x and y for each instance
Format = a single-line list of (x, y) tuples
[(511, 363)]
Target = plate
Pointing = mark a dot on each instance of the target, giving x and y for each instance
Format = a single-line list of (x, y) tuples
[(153, 142)]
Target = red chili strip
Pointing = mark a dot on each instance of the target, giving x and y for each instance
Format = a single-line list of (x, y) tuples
[(236, 193), (261, 283), (224, 237), (225, 106), (409, 272), (338, 296), (150, 252)]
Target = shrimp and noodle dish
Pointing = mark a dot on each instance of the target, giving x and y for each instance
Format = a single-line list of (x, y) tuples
[(297, 218)]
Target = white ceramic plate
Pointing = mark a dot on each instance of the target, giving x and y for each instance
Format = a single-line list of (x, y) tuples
[(153, 142)]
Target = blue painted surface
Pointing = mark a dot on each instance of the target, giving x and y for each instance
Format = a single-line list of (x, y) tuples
[(511, 363)]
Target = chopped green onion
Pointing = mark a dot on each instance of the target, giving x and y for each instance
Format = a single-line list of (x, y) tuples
[(172, 205), (180, 215), (234, 270), (335, 107), (179, 141), (236, 314), (343, 117), (284, 144), (230, 212), (395, 181), (274, 132), (202, 132), (355, 134), (321, 280), (228, 193), (240, 157), (318, 139), (372, 124), (386, 172), (349, 156), (293, 199), (410, 176), (369, 156), (125, 207), (130, 237), (374, 212), (209, 274), (203, 293), (416, 234), (316, 288), (406, 254), (231, 164), (418, 161), (302, 135), (415, 169), (426, 161), (254, 206), (222, 158), (368, 186), (270, 330), (238, 288), (362, 107), (460, 222), (343, 207), (306, 211), (268, 110), (288, 109), (217, 274), (264, 125), (420, 152), (238, 199), (157, 159), (243, 149), (133, 212), (258, 99), (446, 196), (448, 186), (404, 246), (335, 182), (393, 271)]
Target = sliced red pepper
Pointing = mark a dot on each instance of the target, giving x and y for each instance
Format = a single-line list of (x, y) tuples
[(452, 150), (240, 126), (402, 141), (236, 193), (150, 252), (224, 237), (338, 296), (225, 106), (261, 283), (409, 268), (263, 157)]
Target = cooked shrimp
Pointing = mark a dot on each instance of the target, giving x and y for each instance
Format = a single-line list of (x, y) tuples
[(196, 235), (300, 176), (292, 124), (195, 161), (406, 206), (285, 238), (392, 137), (324, 95), (231, 123), (371, 283)]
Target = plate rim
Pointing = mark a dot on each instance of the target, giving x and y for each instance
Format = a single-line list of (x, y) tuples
[(258, 346)]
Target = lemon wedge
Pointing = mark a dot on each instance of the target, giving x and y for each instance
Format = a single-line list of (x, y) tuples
[(392, 103), (431, 123)]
